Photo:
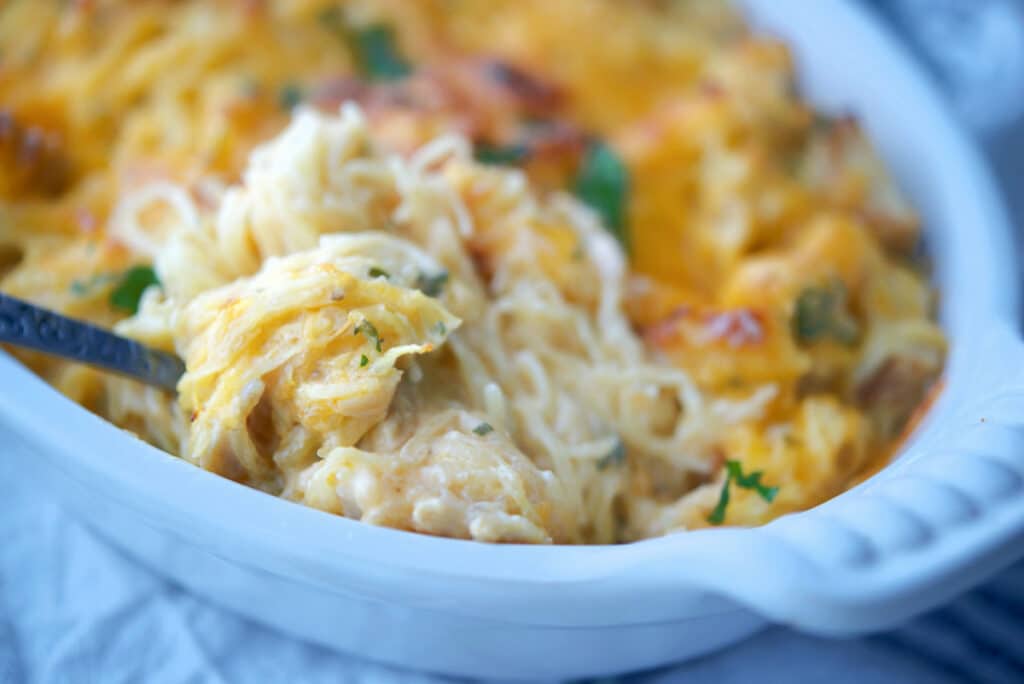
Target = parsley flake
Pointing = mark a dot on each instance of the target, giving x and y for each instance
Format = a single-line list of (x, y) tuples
[(289, 96), (734, 473), (130, 287), (363, 361), (603, 183), (373, 47), (82, 288), (615, 457), (376, 53), (367, 328), (505, 155), (432, 285), (821, 313), (376, 272), (483, 429)]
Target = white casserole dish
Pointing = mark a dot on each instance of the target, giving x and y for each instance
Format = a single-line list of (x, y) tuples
[(947, 513)]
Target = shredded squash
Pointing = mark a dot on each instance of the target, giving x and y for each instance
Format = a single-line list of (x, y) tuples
[(505, 270)]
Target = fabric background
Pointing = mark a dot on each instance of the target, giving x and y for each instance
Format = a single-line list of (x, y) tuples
[(73, 609)]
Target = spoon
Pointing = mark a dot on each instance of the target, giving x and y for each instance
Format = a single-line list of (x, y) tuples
[(32, 327)]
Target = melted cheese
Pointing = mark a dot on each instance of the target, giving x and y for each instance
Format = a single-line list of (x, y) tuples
[(291, 242)]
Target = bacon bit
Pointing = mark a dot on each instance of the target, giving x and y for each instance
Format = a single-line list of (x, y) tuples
[(556, 139), (739, 328), (665, 331), (192, 418), (331, 93), (535, 95), (736, 327), (427, 90), (32, 157), (481, 259)]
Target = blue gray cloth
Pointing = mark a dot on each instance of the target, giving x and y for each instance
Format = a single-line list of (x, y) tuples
[(973, 48)]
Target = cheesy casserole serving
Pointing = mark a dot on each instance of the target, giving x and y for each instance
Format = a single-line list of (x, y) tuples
[(584, 271)]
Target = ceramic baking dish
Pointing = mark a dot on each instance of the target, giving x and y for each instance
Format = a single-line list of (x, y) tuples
[(946, 513)]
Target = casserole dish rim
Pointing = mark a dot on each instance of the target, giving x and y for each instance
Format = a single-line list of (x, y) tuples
[(867, 558)]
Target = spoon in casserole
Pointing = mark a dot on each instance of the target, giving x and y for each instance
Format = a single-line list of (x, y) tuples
[(33, 327)]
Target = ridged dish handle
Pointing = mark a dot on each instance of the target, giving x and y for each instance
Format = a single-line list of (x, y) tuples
[(945, 516)]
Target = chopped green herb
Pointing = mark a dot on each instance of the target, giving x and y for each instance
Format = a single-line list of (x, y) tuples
[(432, 285), (81, 288), (485, 153), (373, 47), (483, 428), (366, 327), (821, 313), (376, 53), (734, 473), (616, 457), (603, 183), (378, 273), (363, 360), (441, 328), (129, 289), (289, 96)]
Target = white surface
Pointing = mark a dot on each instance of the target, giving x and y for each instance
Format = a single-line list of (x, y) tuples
[(947, 514)]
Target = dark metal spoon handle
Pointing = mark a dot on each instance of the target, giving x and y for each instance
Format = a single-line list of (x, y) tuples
[(26, 325)]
